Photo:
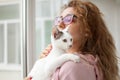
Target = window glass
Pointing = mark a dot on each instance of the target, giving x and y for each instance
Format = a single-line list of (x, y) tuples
[(13, 43), (48, 28), (43, 33), (43, 8), (1, 43), (38, 38), (46, 10), (9, 12)]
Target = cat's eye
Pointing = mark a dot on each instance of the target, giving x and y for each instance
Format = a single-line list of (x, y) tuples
[(70, 39), (64, 40)]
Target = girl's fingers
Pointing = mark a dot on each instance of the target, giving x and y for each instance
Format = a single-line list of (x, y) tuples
[(28, 78), (46, 51)]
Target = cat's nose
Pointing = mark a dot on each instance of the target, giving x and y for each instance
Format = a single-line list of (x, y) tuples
[(70, 46)]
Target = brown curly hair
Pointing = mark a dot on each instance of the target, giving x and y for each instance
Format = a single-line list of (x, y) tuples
[(96, 39)]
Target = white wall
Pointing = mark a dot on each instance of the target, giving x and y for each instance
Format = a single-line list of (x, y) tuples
[(111, 11)]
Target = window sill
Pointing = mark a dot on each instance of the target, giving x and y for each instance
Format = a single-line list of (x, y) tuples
[(10, 67)]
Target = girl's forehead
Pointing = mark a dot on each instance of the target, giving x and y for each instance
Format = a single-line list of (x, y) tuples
[(67, 11)]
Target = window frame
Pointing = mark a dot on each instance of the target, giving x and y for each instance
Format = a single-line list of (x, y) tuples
[(4, 65), (28, 35)]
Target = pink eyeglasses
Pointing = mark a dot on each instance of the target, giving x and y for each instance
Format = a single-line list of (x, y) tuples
[(66, 20)]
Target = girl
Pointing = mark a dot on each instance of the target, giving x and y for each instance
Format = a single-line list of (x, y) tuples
[(91, 41)]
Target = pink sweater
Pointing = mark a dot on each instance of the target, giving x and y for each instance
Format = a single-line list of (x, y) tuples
[(86, 69)]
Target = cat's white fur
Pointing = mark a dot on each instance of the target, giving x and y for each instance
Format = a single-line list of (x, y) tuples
[(45, 67)]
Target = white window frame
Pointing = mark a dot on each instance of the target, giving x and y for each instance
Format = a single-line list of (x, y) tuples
[(28, 35), (5, 66)]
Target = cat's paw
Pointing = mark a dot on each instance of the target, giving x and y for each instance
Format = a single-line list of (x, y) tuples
[(74, 58)]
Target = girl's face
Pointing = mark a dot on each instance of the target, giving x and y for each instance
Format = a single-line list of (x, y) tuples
[(69, 18)]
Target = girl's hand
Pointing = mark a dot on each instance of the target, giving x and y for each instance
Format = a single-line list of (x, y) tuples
[(46, 51), (28, 78)]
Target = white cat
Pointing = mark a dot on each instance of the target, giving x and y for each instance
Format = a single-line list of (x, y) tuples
[(45, 67)]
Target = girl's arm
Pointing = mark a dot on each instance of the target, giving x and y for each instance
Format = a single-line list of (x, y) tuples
[(46, 51)]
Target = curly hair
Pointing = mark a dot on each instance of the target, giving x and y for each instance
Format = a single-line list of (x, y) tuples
[(95, 38)]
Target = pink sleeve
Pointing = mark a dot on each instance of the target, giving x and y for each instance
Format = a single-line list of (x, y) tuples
[(76, 71)]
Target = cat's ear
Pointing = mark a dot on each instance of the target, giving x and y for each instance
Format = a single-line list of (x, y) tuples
[(56, 33), (66, 29)]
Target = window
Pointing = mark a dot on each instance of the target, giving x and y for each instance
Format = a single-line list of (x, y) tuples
[(10, 40), (10, 33), (46, 10)]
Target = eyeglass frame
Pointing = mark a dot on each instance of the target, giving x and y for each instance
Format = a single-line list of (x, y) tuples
[(61, 19)]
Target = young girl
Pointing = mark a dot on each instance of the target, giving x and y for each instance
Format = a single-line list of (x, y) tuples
[(91, 41)]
